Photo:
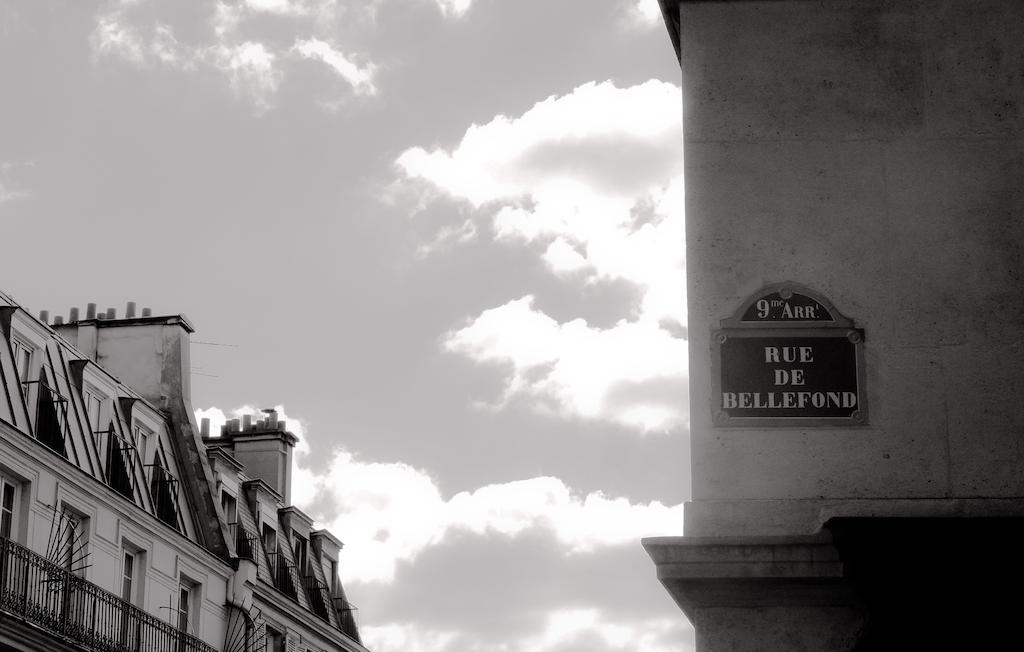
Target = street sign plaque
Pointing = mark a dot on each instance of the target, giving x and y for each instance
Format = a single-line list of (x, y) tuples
[(788, 358)]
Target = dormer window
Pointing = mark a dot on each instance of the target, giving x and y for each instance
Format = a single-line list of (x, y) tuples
[(94, 401), (143, 437), (22, 357)]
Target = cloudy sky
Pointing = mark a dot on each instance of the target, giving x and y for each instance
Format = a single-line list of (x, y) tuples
[(445, 236)]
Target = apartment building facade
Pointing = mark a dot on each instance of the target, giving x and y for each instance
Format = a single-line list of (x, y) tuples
[(113, 532)]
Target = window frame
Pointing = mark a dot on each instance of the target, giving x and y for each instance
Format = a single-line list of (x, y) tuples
[(300, 551), (80, 542), (227, 499), (190, 615), (129, 571), (19, 346), (91, 393), (10, 487)]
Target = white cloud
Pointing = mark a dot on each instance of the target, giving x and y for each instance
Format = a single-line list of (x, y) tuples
[(387, 512), (644, 13), (570, 628), (632, 373), (253, 67), (280, 7), (454, 8), (592, 182), (9, 194), (404, 637), (10, 187), (361, 79), (250, 67)]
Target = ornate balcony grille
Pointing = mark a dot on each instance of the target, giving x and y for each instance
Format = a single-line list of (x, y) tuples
[(163, 487), (281, 571), (348, 617), (119, 461), (319, 595), (52, 598), (50, 425), (245, 543)]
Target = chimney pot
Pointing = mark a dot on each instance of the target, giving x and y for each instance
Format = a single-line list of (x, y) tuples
[(73, 315), (90, 311), (111, 313), (44, 316), (271, 418), (147, 312), (58, 320), (246, 422), (129, 311)]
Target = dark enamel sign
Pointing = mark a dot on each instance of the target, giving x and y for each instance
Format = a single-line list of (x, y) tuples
[(788, 358)]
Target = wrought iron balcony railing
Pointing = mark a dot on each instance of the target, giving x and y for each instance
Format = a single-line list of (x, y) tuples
[(118, 461), (163, 487), (348, 617), (246, 544), (50, 597), (281, 571), (50, 425), (319, 595)]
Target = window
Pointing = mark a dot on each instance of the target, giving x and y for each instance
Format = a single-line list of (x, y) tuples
[(269, 539), (8, 501), (300, 552), (275, 640), (230, 507), (93, 407), (142, 436), (22, 358), (163, 488), (188, 602), (73, 550), (334, 577), (184, 606), (128, 576)]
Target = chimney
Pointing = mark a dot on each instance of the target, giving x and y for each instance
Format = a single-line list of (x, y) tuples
[(58, 320), (73, 314), (90, 311), (271, 418), (147, 312), (129, 311), (204, 427), (44, 316), (265, 448), (111, 313), (152, 357)]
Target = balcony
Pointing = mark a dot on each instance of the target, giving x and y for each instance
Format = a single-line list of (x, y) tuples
[(319, 595), (281, 571), (245, 543), (163, 487), (43, 594), (118, 461), (347, 616), (50, 419)]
